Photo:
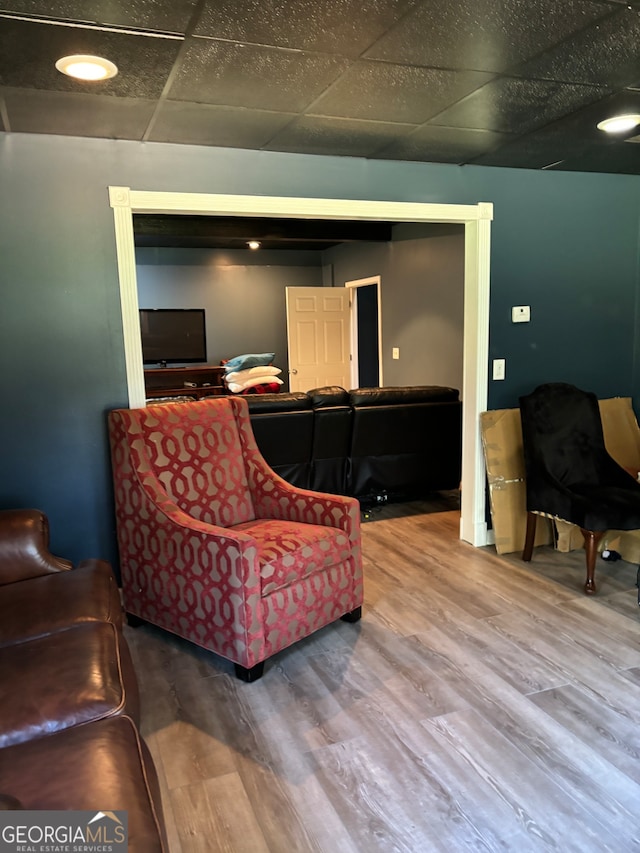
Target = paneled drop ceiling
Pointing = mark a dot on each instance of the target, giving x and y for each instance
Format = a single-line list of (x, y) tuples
[(518, 83)]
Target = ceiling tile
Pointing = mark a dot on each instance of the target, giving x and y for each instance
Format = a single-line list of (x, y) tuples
[(441, 145), (332, 26), (29, 51), (605, 54), (513, 105), (485, 35), (202, 124), (334, 136), (573, 140), (382, 91), (160, 15), (31, 111), (259, 77)]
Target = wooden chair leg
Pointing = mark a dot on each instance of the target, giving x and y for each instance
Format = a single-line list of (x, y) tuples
[(530, 536), (591, 541)]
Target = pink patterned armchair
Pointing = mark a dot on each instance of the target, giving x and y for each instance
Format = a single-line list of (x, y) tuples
[(217, 548)]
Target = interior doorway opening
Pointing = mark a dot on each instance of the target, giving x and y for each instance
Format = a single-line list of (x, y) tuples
[(476, 219), (366, 332)]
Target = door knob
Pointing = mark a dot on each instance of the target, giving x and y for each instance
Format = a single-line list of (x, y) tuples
[(293, 371)]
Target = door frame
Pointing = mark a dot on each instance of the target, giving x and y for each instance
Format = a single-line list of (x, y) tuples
[(355, 284), (476, 219)]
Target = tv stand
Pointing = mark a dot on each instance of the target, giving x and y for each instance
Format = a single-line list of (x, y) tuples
[(198, 382)]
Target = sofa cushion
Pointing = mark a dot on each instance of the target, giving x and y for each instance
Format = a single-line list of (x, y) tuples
[(405, 441), (71, 677), (328, 396), (282, 425), (104, 765), (86, 594), (289, 551), (291, 401), (392, 396)]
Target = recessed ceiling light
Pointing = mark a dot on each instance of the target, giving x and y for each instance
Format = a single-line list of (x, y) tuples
[(254, 244), (84, 67), (619, 124)]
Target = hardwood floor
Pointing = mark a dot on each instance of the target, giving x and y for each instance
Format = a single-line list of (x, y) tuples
[(481, 704)]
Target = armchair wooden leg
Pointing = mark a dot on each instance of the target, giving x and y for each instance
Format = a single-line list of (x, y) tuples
[(591, 541), (530, 536), (253, 673), (353, 615)]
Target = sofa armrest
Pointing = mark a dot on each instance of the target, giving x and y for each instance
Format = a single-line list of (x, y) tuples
[(24, 546)]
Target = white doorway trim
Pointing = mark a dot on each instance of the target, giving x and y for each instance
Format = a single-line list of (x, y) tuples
[(355, 284), (476, 219)]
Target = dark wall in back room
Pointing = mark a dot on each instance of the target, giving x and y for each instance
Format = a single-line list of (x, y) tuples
[(422, 306), (243, 294)]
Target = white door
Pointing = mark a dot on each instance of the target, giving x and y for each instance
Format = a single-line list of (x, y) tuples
[(318, 321)]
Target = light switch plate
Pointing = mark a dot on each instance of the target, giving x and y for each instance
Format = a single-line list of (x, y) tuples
[(395, 352), (498, 368)]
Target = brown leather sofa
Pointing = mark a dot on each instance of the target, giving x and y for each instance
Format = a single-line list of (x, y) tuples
[(69, 706)]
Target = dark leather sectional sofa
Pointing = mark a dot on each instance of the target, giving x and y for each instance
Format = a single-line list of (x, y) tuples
[(391, 443), (69, 706)]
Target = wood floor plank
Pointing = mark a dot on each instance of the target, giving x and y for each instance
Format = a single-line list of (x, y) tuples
[(173, 839), (384, 799), (578, 659), (481, 704), (613, 735), (216, 815), (585, 774), (527, 788)]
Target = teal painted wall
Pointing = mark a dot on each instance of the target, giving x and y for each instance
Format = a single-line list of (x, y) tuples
[(566, 244)]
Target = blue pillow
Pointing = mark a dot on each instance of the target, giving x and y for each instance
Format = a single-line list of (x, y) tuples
[(252, 359)]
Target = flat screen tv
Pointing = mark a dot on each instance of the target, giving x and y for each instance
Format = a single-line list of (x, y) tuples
[(173, 335)]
